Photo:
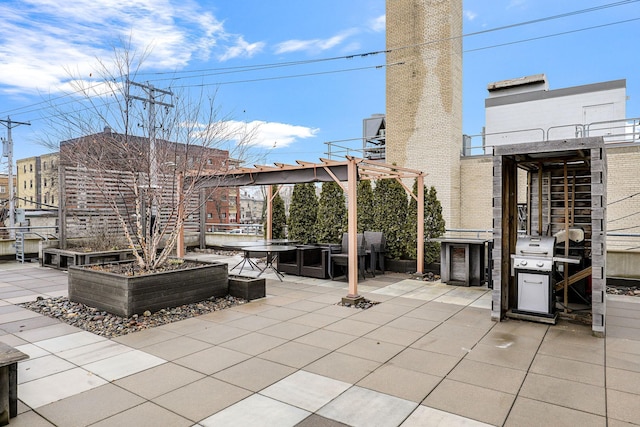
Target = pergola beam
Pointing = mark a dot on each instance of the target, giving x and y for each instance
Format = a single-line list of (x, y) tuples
[(351, 170)]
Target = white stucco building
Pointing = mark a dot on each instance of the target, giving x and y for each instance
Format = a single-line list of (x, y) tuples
[(525, 110)]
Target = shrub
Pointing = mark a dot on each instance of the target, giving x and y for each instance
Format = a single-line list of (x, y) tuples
[(278, 216), (303, 212), (434, 225), (365, 206), (332, 214), (390, 214)]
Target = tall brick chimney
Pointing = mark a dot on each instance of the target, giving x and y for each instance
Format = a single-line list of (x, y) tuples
[(424, 94)]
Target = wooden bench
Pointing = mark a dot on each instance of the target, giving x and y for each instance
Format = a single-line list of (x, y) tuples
[(9, 358)]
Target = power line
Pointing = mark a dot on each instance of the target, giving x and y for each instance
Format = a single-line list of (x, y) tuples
[(318, 73), (364, 54), (624, 198), (226, 70), (564, 33), (623, 217), (325, 72)]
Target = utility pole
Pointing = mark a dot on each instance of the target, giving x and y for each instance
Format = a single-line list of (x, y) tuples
[(7, 151), (152, 99)]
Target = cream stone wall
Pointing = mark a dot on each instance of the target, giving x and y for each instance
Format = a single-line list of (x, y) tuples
[(476, 193), (424, 94), (623, 198)]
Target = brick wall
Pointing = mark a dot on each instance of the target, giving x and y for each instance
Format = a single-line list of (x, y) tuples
[(424, 94), (476, 192), (623, 209)]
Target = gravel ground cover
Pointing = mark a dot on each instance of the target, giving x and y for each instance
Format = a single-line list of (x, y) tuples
[(110, 326)]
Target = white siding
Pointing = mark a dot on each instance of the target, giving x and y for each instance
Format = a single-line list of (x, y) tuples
[(553, 118)]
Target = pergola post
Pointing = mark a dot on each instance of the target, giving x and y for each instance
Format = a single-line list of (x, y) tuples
[(269, 212), (420, 220), (352, 229)]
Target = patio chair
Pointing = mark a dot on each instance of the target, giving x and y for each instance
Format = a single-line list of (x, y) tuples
[(376, 248), (342, 258), (288, 263)]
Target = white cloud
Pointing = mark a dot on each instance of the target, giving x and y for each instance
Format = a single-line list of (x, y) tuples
[(43, 40), (379, 24), (314, 45), (516, 3), (241, 49), (271, 134), (470, 15)]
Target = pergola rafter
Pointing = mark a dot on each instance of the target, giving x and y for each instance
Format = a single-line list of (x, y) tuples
[(350, 171)]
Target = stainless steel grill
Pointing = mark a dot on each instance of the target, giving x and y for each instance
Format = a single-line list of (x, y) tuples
[(534, 253), (533, 265)]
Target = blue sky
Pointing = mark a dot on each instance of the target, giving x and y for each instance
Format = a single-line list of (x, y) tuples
[(331, 89)]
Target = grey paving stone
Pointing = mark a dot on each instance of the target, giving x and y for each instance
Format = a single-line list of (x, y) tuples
[(533, 413), (202, 398), (470, 401), (89, 407), (362, 407)]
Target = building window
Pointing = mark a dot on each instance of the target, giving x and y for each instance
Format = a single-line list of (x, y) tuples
[(3, 189), (30, 167), (209, 215), (30, 183), (53, 199), (44, 165), (24, 168), (223, 215), (45, 182), (25, 184), (46, 199)]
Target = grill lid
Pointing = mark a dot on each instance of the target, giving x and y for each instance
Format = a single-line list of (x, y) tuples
[(535, 246)]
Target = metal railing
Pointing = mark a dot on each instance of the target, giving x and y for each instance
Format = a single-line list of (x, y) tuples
[(234, 228), (613, 131), (367, 149), (23, 233)]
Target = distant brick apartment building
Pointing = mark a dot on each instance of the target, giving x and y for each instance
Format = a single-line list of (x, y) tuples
[(38, 187), (4, 189), (37, 182)]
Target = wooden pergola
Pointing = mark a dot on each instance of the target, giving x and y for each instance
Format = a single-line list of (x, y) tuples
[(349, 171)]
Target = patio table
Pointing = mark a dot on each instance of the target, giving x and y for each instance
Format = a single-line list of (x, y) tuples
[(245, 259), (272, 252)]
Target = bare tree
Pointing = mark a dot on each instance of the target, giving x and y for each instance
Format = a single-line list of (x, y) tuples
[(134, 153)]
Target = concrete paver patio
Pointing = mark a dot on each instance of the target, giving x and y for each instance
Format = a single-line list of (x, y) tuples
[(428, 354)]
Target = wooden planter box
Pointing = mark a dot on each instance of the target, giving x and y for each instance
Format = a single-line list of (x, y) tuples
[(128, 295), (62, 259), (248, 288)]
